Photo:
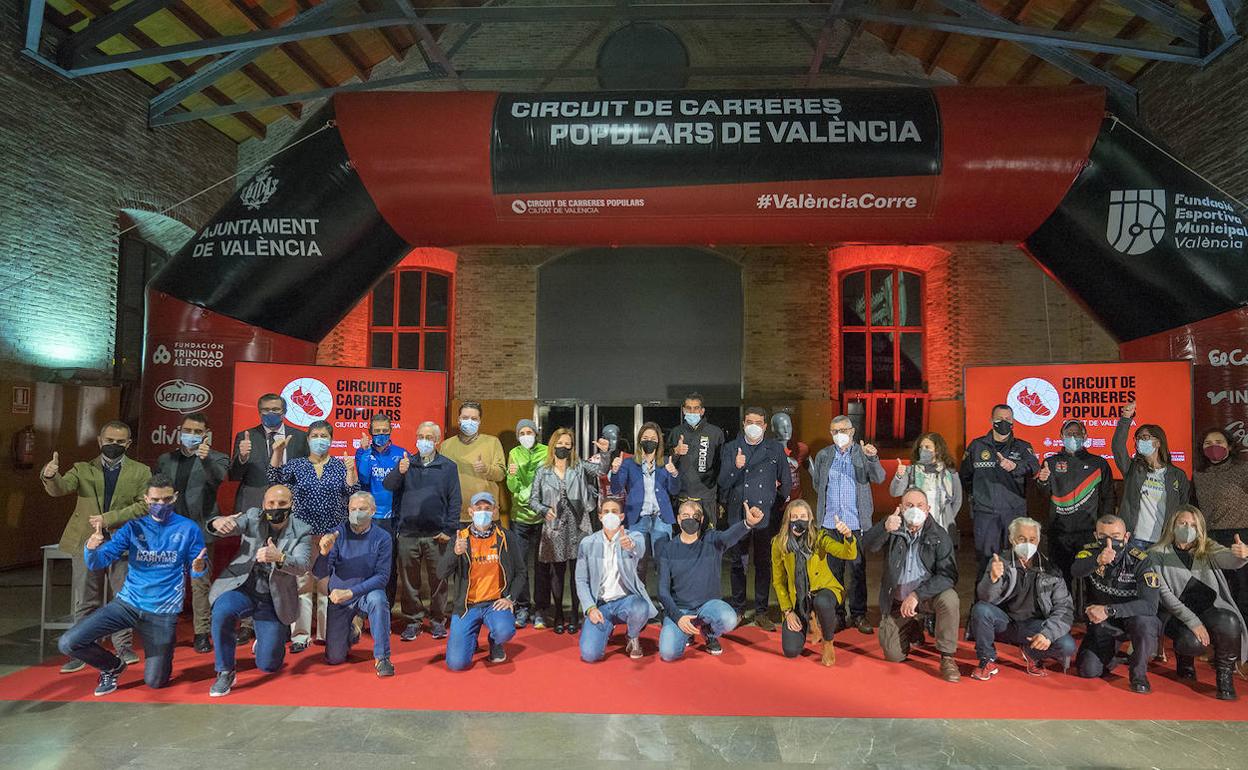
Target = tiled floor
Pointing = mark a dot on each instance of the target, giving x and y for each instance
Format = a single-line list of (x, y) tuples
[(222, 736)]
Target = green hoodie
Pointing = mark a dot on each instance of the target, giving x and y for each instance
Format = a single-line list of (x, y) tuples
[(521, 484)]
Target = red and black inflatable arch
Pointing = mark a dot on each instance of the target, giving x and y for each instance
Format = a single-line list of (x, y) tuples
[(1144, 243)]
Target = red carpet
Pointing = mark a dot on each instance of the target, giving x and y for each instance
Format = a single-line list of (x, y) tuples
[(544, 673)]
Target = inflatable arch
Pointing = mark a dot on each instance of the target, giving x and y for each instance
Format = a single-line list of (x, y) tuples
[(1150, 248)]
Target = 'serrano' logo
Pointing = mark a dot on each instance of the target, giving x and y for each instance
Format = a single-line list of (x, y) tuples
[(1137, 220), (181, 396), (260, 189)]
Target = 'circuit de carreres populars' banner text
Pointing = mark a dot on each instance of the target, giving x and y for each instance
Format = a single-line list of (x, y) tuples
[(1044, 396), (346, 397)]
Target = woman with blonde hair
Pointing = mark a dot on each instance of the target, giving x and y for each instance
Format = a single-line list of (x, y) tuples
[(1197, 610), (565, 493), (809, 593)]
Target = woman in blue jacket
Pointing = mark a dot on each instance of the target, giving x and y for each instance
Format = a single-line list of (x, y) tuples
[(647, 484)]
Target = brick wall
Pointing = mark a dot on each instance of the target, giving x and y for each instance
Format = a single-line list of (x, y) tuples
[(74, 154)]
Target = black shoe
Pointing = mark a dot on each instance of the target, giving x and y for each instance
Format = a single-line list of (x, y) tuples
[(572, 628), (438, 630), (522, 618), (202, 643), (860, 623), (356, 633), (559, 628), (298, 647), (223, 685), (1225, 668), (108, 679), (1141, 686), (497, 653), (410, 632), (1185, 666), (384, 667), (245, 636), (712, 646)]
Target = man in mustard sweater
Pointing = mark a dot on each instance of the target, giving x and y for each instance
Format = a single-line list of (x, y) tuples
[(479, 457)]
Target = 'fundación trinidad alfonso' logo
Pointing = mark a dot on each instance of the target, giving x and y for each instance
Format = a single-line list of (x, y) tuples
[(259, 190), (1034, 401), (1137, 220)]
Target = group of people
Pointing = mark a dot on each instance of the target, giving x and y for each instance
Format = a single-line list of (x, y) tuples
[(328, 544)]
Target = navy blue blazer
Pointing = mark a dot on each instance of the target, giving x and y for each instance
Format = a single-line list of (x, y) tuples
[(631, 481)]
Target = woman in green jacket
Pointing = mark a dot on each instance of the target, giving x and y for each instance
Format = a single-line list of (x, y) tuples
[(522, 464), (803, 581)]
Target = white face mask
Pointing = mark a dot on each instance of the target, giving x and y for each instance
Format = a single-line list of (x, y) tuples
[(841, 439), (753, 432), (1025, 550), (1185, 533), (528, 440), (611, 521), (914, 516)]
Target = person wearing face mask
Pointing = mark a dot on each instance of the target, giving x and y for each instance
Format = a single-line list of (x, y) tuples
[(754, 473), (253, 448), (486, 569), (933, 470), (920, 578), (479, 457), (262, 583), (109, 491), (1122, 588), (565, 494), (696, 445), (843, 474), (1080, 488), (647, 482), (1153, 488), (1198, 610), (690, 580), (994, 470), (609, 587), (523, 461), (1220, 488), (163, 548), (375, 457), (355, 558), (429, 502), (1025, 602), (197, 471), (807, 589), (321, 484)]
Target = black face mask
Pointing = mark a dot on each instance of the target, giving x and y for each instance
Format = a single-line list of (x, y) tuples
[(563, 452), (690, 526), (798, 527), (1003, 427), (276, 515), (113, 451), (1117, 544), (649, 446)]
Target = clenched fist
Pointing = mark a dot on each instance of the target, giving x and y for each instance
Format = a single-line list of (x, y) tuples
[(461, 545), (740, 461), (244, 447), (1128, 411), (753, 514), (1044, 473), (893, 522), (997, 569), (681, 447), (327, 543), (869, 449), (405, 463), (616, 463), (53, 467)]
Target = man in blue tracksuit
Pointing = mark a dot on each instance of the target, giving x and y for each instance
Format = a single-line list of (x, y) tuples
[(162, 546), (356, 559), (373, 462)]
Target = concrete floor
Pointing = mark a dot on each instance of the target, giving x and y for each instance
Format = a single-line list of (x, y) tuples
[(223, 736)]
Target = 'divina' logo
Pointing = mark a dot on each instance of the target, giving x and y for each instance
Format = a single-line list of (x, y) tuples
[(1136, 221), (259, 190)]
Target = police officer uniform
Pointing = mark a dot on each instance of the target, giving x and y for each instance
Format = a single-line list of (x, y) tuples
[(1128, 587), (997, 496)]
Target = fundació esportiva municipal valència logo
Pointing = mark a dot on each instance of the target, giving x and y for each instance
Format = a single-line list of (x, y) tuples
[(1139, 220)]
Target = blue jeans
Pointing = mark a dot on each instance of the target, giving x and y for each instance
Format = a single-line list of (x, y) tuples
[(338, 619), (989, 623), (271, 633), (633, 611), (157, 630), (715, 617), (655, 531), (461, 643)]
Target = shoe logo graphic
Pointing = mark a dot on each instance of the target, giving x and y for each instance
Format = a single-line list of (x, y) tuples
[(309, 400), (1034, 400)]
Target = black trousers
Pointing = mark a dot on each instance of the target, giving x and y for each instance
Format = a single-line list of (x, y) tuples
[(1224, 634), (825, 606), (1101, 642), (552, 576), (527, 536), (1064, 545), (757, 541)]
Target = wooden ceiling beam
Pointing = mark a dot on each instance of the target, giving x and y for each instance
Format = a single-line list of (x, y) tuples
[(894, 41), (397, 39), (1013, 11), (1074, 18), (1134, 26), (261, 20)]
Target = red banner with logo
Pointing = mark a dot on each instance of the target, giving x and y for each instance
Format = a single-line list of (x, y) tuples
[(346, 397), (1044, 396)]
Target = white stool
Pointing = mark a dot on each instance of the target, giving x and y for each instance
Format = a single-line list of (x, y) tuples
[(51, 553)]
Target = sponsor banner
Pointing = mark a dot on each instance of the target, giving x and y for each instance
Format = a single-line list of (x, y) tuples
[(1146, 243), (346, 397), (1044, 396), (286, 231), (568, 142)]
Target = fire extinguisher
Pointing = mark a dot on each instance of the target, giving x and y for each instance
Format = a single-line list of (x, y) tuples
[(24, 447)]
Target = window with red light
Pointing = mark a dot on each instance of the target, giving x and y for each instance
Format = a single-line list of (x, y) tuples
[(883, 386), (409, 321)]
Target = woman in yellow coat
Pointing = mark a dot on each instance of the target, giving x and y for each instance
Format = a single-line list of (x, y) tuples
[(803, 581)]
